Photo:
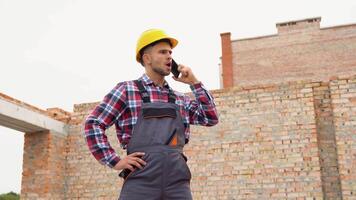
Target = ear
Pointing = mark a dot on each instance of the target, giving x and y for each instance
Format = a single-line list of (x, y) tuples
[(146, 58)]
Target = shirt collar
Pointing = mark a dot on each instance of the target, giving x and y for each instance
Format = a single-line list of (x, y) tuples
[(147, 81)]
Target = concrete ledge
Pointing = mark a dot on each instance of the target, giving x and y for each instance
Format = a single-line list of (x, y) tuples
[(22, 119)]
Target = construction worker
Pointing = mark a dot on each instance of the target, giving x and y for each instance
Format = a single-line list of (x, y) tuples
[(152, 124)]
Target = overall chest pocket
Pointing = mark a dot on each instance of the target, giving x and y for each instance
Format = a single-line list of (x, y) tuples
[(159, 113)]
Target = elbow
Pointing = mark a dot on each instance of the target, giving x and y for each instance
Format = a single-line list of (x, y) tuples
[(88, 123), (88, 120), (212, 121), (92, 124), (93, 121), (214, 118)]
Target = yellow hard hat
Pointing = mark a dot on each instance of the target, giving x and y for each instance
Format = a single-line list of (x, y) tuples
[(150, 36)]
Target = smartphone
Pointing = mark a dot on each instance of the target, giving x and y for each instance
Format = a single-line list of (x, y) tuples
[(174, 70), (124, 173)]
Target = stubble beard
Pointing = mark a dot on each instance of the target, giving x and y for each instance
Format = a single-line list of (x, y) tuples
[(160, 71)]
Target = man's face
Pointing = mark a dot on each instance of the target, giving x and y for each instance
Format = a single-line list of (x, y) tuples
[(160, 58)]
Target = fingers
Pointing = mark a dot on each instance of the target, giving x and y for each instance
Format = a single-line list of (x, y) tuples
[(183, 70), (138, 162), (182, 77), (142, 162), (137, 154), (134, 163), (129, 167), (186, 76), (180, 67), (134, 160)]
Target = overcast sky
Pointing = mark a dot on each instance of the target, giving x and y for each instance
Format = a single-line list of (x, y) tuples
[(60, 53)]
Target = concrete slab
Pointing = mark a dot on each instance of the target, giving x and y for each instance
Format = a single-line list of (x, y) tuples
[(22, 119)]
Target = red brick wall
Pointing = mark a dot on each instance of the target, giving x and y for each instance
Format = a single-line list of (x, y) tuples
[(299, 51)]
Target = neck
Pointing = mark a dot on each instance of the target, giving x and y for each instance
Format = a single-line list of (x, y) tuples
[(156, 78)]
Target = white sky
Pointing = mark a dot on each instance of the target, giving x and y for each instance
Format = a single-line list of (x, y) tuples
[(61, 53)]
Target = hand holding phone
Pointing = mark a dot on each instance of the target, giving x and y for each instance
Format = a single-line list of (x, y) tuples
[(187, 76)]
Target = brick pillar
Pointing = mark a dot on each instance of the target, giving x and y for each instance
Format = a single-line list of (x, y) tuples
[(43, 166), (343, 101), (227, 67), (330, 175)]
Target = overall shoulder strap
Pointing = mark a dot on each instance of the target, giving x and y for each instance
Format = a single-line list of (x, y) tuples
[(143, 92), (171, 96)]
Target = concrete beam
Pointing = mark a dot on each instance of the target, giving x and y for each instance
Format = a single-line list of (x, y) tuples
[(22, 119)]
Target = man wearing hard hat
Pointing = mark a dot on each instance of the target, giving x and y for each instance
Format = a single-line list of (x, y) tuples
[(152, 123)]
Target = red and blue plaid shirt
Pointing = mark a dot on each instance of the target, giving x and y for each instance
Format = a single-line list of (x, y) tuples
[(121, 107)]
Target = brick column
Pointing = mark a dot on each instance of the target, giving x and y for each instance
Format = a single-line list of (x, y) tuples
[(326, 141), (43, 166), (343, 101), (227, 67)]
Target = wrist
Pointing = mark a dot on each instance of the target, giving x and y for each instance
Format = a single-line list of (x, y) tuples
[(194, 81)]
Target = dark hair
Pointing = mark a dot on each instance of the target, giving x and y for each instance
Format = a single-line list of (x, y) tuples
[(151, 45)]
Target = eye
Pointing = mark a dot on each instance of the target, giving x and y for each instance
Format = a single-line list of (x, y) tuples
[(166, 52)]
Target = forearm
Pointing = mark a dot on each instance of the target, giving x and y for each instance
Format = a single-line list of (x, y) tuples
[(103, 116), (202, 110), (98, 143)]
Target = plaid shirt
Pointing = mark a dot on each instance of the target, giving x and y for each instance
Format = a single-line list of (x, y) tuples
[(122, 105)]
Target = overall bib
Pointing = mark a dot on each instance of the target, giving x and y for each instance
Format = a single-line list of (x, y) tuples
[(159, 132)]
